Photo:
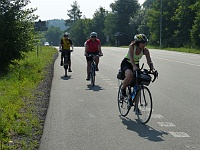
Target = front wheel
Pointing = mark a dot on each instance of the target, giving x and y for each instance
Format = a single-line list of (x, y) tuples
[(92, 73), (65, 65), (145, 105), (123, 102)]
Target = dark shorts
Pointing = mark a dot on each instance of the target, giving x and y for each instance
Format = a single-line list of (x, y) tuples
[(125, 64), (90, 58), (68, 54)]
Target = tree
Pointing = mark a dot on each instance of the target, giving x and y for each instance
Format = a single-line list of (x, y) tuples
[(123, 10), (168, 24), (16, 30), (74, 13), (98, 23), (194, 33), (53, 35), (184, 17)]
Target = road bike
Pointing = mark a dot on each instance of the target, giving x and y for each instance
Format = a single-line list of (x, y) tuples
[(142, 100), (93, 68), (66, 60)]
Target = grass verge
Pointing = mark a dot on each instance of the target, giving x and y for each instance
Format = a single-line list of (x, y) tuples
[(20, 126), (181, 49)]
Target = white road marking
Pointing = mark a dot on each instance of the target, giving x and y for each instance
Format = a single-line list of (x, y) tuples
[(179, 134), (178, 61), (157, 116), (166, 124), (91, 115)]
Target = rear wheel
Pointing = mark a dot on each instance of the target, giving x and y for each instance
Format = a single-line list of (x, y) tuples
[(145, 105), (65, 65), (92, 74), (123, 102)]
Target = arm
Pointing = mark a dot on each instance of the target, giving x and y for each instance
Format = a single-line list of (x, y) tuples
[(148, 57), (60, 46), (131, 54), (86, 49), (99, 48), (71, 44)]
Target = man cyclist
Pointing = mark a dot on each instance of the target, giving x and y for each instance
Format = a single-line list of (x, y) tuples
[(92, 46), (131, 61), (65, 44)]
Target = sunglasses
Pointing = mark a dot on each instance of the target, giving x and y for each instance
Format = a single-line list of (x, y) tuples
[(93, 36)]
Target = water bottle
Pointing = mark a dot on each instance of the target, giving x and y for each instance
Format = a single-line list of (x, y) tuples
[(134, 91)]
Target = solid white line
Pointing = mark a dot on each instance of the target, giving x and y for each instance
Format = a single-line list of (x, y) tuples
[(177, 61)]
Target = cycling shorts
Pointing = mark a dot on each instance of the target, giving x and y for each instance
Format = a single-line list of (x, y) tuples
[(68, 54), (90, 58), (125, 64)]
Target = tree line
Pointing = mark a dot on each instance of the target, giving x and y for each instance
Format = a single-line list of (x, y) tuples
[(166, 23)]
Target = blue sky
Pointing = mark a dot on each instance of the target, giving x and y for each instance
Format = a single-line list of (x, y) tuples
[(57, 9)]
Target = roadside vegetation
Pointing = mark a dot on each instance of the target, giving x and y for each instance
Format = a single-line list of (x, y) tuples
[(20, 125), (23, 67)]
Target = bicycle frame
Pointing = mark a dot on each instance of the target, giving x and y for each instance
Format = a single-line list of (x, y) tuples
[(93, 68), (142, 102), (66, 61)]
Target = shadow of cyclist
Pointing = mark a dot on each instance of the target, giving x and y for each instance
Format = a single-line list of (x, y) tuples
[(144, 131), (66, 77), (94, 88)]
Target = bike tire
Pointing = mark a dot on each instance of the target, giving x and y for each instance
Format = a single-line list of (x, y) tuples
[(123, 103), (92, 73), (65, 65), (145, 104)]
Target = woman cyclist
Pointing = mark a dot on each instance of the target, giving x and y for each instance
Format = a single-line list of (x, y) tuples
[(131, 61)]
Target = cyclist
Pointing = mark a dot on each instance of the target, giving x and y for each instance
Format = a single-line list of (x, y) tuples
[(92, 46), (65, 44), (131, 61)]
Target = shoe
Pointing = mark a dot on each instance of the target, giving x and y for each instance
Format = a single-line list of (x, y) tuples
[(88, 78), (61, 63), (137, 111), (123, 92), (69, 70), (96, 69)]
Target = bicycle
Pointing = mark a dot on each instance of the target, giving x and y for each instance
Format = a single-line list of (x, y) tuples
[(93, 68), (66, 61), (142, 101)]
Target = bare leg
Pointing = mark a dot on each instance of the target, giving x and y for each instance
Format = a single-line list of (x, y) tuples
[(97, 61), (88, 67), (128, 78)]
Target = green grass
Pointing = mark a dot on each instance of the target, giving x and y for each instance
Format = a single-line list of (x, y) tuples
[(19, 123), (182, 49)]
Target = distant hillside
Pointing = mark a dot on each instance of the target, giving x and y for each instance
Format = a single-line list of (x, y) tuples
[(57, 23)]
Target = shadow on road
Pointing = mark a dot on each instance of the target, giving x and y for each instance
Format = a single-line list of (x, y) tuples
[(94, 88), (66, 77), (144, 131)]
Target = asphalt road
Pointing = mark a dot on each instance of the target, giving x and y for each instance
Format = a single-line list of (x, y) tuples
[(81, 117)]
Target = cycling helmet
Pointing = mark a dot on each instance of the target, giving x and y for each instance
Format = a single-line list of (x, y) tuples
[(140, 38), (66, 34), (93, 34)]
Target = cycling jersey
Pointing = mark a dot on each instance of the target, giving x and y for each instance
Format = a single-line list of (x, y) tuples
[(65, 43), (136, 58), (93, 46)]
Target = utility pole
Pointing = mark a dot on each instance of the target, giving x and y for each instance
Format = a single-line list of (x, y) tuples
[(160, 23)]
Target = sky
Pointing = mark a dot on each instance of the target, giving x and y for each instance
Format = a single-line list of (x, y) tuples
[(57, 9)]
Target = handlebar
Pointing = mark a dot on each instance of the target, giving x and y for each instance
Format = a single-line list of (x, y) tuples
[(146, 71), (94, 55), (66, 50)]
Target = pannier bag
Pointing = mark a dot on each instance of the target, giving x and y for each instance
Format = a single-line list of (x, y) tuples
[(144, 78), (120, 75)]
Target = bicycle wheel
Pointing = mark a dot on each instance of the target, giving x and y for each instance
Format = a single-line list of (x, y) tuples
[(65, 65), (144, 104), (92, 73), (123, 103)]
